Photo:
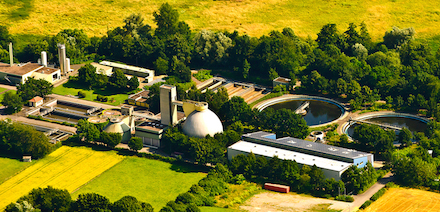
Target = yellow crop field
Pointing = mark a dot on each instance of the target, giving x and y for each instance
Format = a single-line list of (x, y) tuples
[(401, 199), (66, 168), (254, 17)]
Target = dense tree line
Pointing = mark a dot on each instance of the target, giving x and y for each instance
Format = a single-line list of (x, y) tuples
[(372, 138), (19, 139), (305, 179), (92, 133), (88, 77), (349, 64), (58, 200), (357, 179), (202, 150), (415, 166), (203, 193)]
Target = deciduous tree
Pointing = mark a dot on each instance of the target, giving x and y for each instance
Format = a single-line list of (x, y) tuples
[(12, 102), (135, 143)]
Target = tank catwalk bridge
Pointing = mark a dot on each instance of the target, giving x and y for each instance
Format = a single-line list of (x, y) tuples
[(302, 108), (383, 125)]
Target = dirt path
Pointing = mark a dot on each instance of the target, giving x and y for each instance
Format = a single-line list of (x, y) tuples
[(277, 202), (9, 87)]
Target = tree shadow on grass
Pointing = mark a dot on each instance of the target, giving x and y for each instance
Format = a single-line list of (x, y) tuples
[(107, 91), (186, 167), (71, 142), (9, 155)]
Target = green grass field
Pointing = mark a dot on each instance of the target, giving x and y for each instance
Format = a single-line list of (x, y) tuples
[(254, 17), (10, 167), (65, 168), (71, 89), (151, 181)]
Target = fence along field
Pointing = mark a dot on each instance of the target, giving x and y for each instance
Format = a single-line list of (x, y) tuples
[(66, 168), (255, 17), (401, 199)]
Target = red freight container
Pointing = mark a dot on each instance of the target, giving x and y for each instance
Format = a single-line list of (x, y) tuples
[(277, 187)]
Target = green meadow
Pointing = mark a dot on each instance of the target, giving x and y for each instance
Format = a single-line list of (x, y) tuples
[(254, 17), (151, 181)]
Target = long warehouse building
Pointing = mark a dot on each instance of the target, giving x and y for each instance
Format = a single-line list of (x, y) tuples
[(332, 160)]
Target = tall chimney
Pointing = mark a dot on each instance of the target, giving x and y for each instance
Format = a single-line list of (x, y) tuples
[(11, 55), (62, 58), (44, 58)]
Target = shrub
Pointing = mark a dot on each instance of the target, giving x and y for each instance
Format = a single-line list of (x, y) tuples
[(203, 75), (378, 194), (391, 185), (81, 94), (238, 179), (185, 198), (101, 98), (344, 198), (366, 204)]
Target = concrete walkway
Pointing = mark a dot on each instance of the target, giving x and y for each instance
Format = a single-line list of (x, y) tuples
[(82, 101), (40, 123)]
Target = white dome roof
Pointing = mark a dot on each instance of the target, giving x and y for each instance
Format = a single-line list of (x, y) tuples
[(202, 123)]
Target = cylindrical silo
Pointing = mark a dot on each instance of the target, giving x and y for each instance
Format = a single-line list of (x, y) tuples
[(44, 58), (67, 65), (62, 58)]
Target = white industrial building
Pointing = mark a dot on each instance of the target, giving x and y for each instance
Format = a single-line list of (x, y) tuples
[(199, 120), (331, 168), (19, 73), (131, 70), (331, 159)]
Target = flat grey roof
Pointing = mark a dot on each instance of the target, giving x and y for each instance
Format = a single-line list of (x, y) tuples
[(300, 158), (296, 143), (127, 67)]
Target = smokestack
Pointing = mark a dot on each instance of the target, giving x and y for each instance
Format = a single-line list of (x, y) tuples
[(11, 55), (62, 58), (67, 68), (44, 58)]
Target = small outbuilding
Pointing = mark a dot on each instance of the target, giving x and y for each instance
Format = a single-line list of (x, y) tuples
[(277, 187), (27, 158), (281, 81), (103, 69), (36, 101)]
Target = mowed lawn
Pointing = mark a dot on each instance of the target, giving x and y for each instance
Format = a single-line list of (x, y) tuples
[(66, 168), (254, 17), (10, 167), (402, 199), (90, 95), (151, 181)]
